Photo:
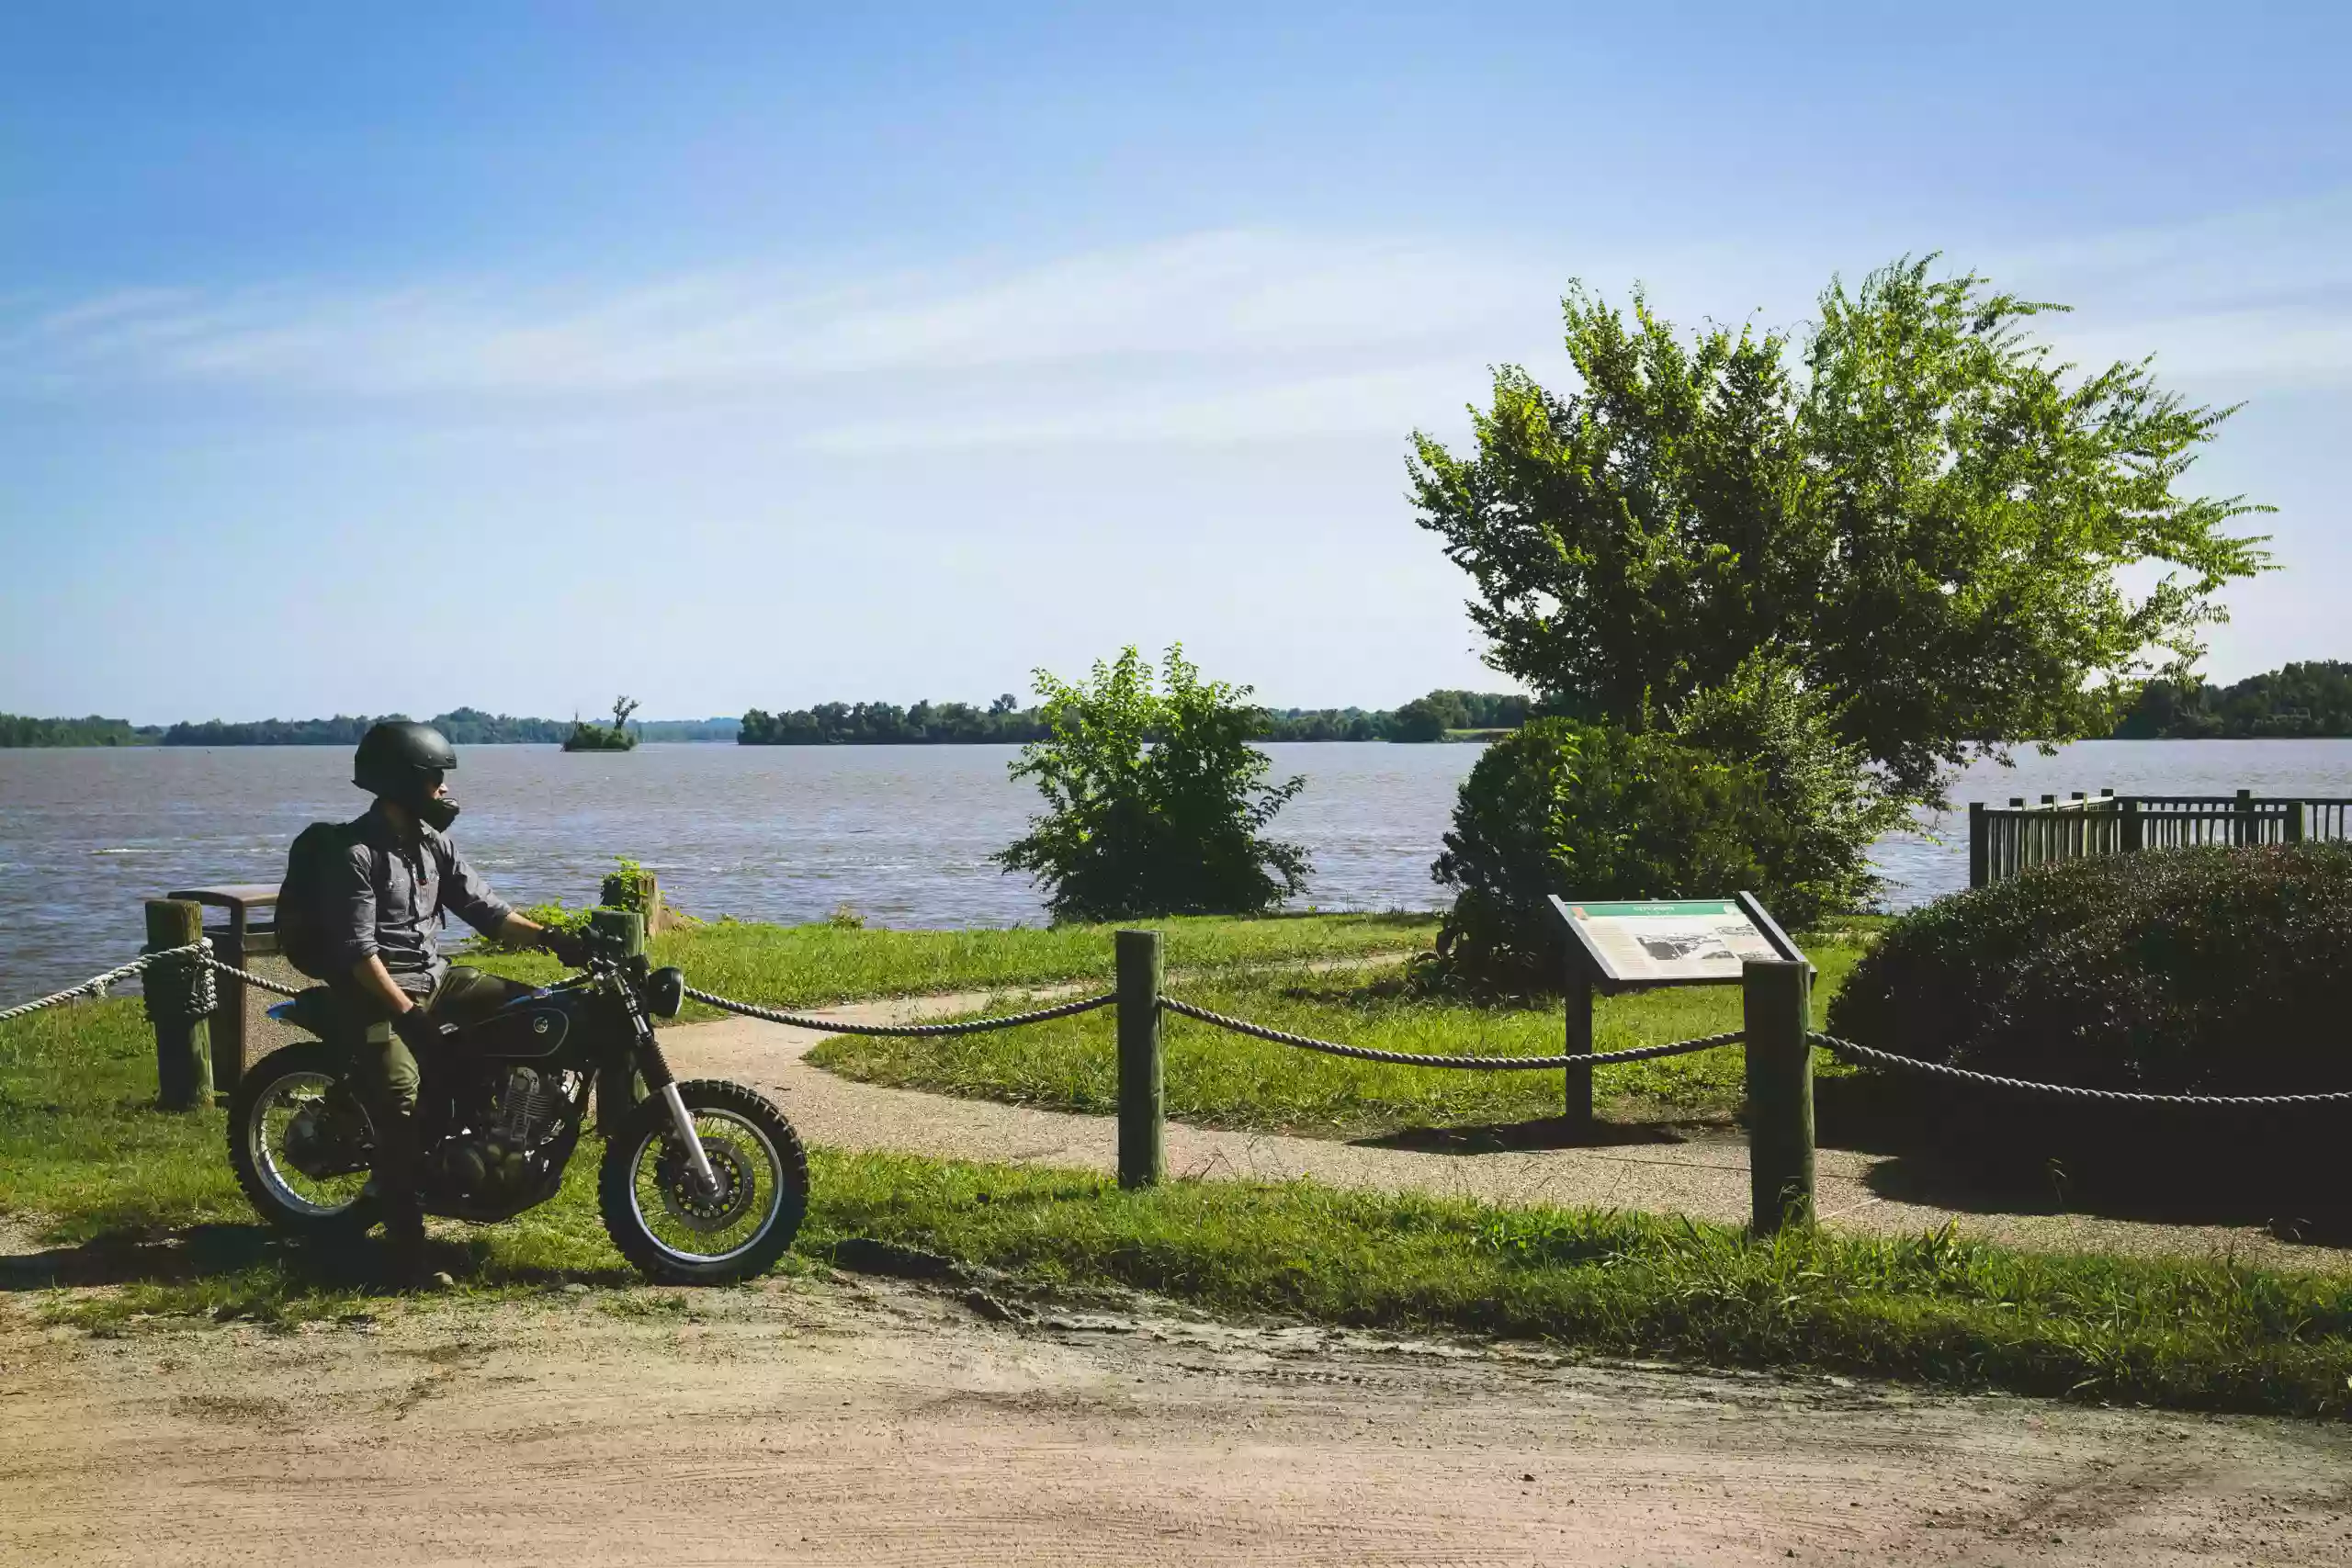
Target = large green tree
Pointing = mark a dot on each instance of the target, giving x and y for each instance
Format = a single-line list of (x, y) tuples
[(1916, 507)]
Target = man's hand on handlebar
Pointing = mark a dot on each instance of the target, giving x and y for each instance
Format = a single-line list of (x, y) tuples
[(571, 949)]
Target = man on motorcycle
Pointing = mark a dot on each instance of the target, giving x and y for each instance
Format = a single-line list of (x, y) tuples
[(393, 991)]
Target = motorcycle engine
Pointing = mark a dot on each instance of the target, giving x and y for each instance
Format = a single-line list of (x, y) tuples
[(494, 1162)]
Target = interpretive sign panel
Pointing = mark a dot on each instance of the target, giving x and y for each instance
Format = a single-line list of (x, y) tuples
[(1672, 941)]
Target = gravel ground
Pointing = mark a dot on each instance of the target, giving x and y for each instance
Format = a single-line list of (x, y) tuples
[(844, 1422)]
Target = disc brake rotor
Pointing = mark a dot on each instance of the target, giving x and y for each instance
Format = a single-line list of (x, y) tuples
[(682, 1194)]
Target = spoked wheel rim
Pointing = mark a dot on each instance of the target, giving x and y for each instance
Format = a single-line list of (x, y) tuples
[(695, 1227), (276, 1114)]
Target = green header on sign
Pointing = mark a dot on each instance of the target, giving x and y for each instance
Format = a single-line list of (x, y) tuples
[(1660, 907)]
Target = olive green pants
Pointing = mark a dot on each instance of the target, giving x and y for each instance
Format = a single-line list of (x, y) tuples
[(387, 1068)]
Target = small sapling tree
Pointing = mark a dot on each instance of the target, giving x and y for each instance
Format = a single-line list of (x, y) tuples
[(1156, 802)]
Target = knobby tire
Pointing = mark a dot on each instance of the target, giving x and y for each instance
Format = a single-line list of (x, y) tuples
[(616, 1177)]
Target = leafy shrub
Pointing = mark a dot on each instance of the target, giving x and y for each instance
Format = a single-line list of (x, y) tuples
[(1157, 797), (1825, 804), (2212, 971), (623, 889), (1585, 811)]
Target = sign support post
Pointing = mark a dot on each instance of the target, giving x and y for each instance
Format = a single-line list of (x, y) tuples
[(1577, 1109)]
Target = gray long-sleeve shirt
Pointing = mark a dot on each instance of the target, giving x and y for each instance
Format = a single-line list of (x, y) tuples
[(392, 895)]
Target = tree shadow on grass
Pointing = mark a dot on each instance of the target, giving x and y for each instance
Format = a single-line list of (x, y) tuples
[(1985, 1151), (1521, 1138), (195, 1254)]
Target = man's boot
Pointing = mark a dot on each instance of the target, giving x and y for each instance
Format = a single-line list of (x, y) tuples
[(403, 1218)]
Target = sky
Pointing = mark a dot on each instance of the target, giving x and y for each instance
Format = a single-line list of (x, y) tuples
[(362, 359)]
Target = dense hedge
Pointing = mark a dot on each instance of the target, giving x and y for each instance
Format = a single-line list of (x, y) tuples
[(2207, 971)]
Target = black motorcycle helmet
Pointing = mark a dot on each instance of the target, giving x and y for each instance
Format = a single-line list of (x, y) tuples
[(402, 761)]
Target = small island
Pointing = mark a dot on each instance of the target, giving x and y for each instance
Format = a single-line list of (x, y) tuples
[(588, 736)]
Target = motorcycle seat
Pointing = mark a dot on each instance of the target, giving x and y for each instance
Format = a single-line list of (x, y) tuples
[(312, 1009)]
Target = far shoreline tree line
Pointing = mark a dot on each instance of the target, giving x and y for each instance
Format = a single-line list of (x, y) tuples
[(2305, 701)]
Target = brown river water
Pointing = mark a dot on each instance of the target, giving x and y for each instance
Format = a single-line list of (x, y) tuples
[(899, 833)]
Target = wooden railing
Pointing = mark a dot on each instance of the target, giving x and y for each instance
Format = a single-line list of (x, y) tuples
[(2004, 843)]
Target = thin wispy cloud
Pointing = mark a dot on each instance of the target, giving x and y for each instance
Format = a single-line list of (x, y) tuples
[(1220, 336), (2252, 299), (1222, 296)]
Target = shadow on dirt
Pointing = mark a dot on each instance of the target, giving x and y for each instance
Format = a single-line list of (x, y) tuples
[(195, 1252)]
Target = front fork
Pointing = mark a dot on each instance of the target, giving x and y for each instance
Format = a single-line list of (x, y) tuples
[(664, 1083)]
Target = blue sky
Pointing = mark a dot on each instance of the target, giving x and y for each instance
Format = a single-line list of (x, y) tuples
[(759, 354)]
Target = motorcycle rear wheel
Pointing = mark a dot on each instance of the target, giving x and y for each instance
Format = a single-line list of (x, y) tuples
[(269, 1095), (662, 1220)]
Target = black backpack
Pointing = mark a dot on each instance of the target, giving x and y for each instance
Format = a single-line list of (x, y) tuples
[(306, 913)]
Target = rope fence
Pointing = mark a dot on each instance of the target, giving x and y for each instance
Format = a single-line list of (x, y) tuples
[(261, 982), (94, 988), (1465, 1064), (916, 1030), (1776, 1034), (200, 1003), (1872, 1056)]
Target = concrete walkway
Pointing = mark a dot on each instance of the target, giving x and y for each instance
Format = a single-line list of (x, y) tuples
[(1704, 1179)]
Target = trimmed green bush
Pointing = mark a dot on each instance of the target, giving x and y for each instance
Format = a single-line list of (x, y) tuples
[(2200, 971)]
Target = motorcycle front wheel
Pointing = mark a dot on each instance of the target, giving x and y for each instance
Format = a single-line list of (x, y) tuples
[(667, 1224)]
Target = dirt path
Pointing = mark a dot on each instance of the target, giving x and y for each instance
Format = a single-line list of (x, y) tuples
[(1706, 1179), (872, 1423)]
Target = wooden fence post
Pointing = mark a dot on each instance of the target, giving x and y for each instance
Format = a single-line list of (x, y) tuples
[(1776, 997), (183, 1044), (647, 894), (1978, 847), (616, 1093), (2242, 823), (1143, 1137)]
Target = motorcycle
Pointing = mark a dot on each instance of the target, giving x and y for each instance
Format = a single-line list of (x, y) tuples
[(703, 1182)]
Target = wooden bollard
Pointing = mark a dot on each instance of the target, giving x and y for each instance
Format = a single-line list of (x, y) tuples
[(625, 928), (1776, 997), (616, 1096), (1143, 1139), (182, 1045), (648, 893)]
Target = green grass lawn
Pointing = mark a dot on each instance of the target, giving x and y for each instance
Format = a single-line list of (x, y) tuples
[(809, 966), (1218, 1078), (85, 1157)]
